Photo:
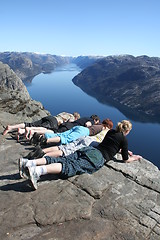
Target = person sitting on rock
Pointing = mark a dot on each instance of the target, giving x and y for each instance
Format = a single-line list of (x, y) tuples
[(65, 150), (46, 123), (85, 160)]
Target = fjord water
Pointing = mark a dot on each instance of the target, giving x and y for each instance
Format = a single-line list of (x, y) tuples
[(57, 93)]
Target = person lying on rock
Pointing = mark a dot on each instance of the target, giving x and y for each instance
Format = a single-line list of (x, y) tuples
[(85, 160), (84, 121), (70, 135), (48, 122), (65, 150), (31, 128)]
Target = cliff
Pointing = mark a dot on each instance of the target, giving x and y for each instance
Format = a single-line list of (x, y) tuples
[(120, 201), (27, 65), (132, 84)]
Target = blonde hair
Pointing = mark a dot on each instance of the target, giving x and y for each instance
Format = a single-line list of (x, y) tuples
[(76, 115), (124, 126)]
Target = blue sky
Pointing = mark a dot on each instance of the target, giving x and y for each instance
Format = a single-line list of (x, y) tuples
[(81, 27)]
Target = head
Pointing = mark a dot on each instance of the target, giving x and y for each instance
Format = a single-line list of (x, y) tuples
[(107, 123), (76, 115), (95, 118), (124, 126)]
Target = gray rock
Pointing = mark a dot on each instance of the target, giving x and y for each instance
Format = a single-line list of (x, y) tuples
[(120, 201)]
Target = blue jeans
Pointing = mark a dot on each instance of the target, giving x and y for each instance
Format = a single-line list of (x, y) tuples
[(85, 160)]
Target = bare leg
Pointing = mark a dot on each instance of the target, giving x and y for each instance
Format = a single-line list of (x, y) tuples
[(21, 130), (13, 127), (54, 139), (54, 168), (50, 149), (31, 130), (57, 153), (40, 161)]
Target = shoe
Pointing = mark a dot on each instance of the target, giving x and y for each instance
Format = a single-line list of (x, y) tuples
[(43, 141), (22, 168), (33, 176), (35, 139), (35, 153)]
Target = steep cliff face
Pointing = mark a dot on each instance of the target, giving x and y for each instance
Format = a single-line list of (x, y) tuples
[(27, 65), (15, 99), (10, 81), (126, 81)]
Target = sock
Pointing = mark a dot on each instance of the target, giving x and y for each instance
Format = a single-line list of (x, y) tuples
[(41, 170), (31, 163)]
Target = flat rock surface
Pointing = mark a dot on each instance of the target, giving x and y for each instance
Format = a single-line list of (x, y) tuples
[(120, 201)]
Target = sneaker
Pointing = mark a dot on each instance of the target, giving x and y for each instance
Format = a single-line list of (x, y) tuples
[(33, 176), (22, 167), (43, 141), (35, 139)]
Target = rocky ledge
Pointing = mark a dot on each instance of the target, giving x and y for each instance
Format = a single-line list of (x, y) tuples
[(120, 201)]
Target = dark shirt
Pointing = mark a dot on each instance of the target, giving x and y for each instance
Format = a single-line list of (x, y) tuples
[(112, 143), (68, 125), (82, 121)]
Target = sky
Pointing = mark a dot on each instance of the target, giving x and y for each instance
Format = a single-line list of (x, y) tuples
[(81, 27)]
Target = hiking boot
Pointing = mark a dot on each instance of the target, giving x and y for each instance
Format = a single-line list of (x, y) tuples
[(22, 168), (33, 177)]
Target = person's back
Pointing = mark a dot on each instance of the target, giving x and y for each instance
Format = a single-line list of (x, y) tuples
[(116, 140), (94, 119), (112, 143)]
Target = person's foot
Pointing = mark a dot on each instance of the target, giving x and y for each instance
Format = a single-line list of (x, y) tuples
[(36, 153), (7, 129), (35, 139), (23, 171), (21, 131), (27, 132), (33, 177)]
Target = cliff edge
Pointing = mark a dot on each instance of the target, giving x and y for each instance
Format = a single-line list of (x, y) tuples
[(120, 201)]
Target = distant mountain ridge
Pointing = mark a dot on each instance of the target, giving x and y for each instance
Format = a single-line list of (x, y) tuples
[(127, 82), (27, 65)]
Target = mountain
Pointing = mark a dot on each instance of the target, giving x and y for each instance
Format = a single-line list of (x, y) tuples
[(86, 61), (15, 99), (130, 83), (27, 65)]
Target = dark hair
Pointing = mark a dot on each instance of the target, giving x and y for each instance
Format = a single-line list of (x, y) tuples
[(108, 123), (95, 117)]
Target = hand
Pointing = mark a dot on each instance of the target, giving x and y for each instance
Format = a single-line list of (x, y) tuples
[(130, 153), (133, 158)]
